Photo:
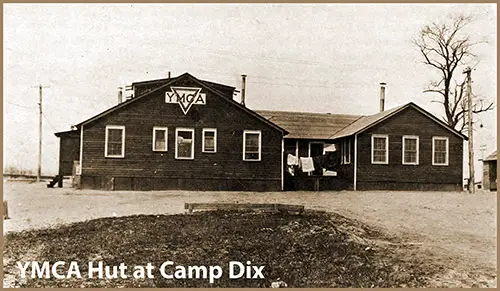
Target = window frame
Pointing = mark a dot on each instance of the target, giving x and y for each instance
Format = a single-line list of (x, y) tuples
[(386, 137), (165, 129), (203, 149), (346, 152), (106, 138), (184, 129), (434, 138), (245, 132), (415, 137)]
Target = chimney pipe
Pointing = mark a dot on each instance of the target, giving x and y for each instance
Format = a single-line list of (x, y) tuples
[(168, 74), (382, 96), (120, 95), (243, 83)]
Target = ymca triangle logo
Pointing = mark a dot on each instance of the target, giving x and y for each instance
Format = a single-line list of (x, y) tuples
[(185, 97)]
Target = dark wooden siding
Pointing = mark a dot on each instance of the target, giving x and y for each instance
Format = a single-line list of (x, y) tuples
[(490, 175), (69, 151), (395, 175), (141, 168)]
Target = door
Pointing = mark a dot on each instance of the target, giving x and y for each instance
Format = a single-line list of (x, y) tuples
[(316, 149)]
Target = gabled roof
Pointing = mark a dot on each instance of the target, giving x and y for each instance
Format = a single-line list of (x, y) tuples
[(492, 157), (305, 125), (302, 125), (173, 80), (366, 122), (165, 80)]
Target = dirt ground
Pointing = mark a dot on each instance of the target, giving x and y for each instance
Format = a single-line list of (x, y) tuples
[(458, 229)]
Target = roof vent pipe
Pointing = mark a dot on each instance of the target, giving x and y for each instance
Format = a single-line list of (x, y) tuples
[(243, 82), (120, 95), (382, 96)]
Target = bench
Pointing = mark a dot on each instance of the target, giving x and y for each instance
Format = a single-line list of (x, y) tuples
[(190, 207)]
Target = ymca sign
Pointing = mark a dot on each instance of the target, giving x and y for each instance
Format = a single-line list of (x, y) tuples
[(185, 97)]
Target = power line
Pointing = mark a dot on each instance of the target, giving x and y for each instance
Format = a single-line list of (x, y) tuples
[(51, 125), (19, 105)]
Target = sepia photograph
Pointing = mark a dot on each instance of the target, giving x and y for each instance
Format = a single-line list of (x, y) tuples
[(248, 145)]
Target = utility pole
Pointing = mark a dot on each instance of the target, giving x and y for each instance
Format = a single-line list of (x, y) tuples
[(39, 171), (470, 130)]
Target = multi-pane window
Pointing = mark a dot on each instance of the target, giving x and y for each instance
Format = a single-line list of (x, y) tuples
[(251, 145), (114, 141), (160, 135), (410, 150), (440, 151), (346, 151), (184, 143), (209, 140), (380, 149)]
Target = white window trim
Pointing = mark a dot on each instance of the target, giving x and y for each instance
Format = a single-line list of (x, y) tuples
[(315, 142), (155, 128), (214, 130), (386, 148), (177, 144), (244, 143), (106, 141), (403, 149), (434, 138)]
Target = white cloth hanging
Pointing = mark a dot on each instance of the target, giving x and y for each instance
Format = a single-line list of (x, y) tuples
[(307, 164), (292, 160)]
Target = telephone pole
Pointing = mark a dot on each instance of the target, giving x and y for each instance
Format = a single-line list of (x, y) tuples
[(470, 130), (39, 171)]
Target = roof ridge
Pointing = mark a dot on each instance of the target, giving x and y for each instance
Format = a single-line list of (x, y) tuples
[(302, 112)]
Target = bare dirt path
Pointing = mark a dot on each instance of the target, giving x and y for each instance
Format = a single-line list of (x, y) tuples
[(459, 228)]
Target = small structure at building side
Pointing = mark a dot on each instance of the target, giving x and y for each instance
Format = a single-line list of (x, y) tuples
[(490, 172), (186, 133)]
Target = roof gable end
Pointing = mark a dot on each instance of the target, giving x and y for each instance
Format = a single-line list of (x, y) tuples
[(172, 81), (367, 122)]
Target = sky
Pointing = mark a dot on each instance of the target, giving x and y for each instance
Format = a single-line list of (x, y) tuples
[(298, 57)]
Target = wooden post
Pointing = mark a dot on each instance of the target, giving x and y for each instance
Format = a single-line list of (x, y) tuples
[(60, 181), (470, 131)]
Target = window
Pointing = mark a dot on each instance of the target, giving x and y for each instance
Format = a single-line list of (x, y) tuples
[(209, 140), (410, 150), (114, 146), (184, 143), (380, 149), (439, 151), (160, 139), (251, 145), (346, 151)]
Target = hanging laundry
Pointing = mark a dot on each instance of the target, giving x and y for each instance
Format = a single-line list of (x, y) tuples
[(307, 164), (292, 160), (329, 173)]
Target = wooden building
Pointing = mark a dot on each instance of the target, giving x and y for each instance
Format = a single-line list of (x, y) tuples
[(203, 140), (185, 133), (404, 148), (490, 172)]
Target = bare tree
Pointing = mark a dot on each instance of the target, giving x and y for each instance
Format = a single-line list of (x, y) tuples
[(446, 47)]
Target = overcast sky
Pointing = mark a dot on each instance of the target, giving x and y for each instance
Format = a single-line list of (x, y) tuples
[(301, 57)]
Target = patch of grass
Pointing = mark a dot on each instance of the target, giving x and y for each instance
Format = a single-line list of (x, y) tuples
[(315, 249)]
